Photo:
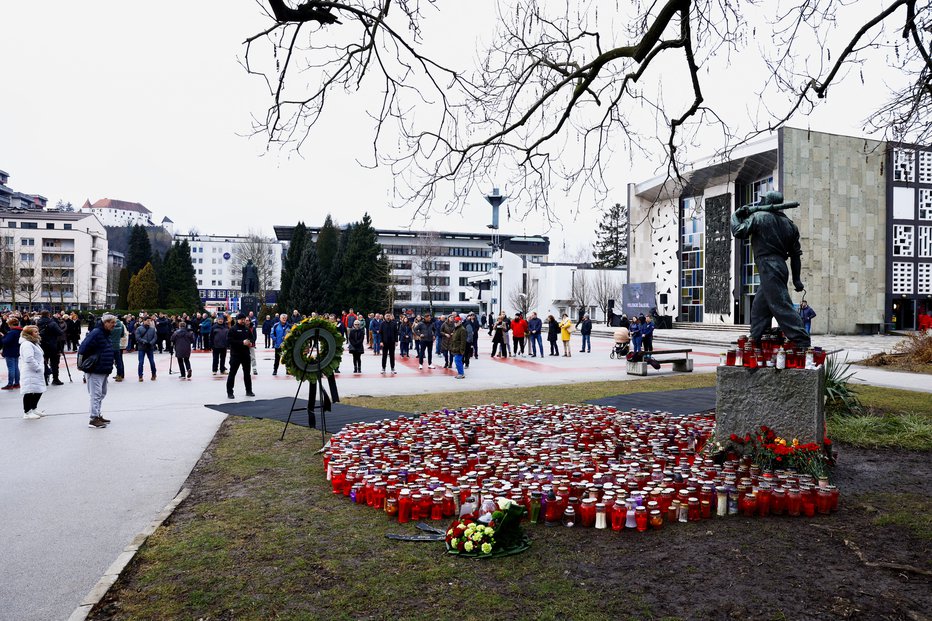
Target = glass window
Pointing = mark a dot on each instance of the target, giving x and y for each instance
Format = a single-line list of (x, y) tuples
[(50, 225), (67, 227), (692, 259)]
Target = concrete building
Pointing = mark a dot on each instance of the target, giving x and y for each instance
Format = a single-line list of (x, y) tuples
[(52, 259), (865, 222), (11, 199), (442, 265), (218, 265), (116, 261), (114, 212)]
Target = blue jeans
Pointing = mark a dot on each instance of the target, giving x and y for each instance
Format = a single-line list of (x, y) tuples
[(376, 342), (808, 326), (118, 361), (537, 344), (636, 341), (438, 341), (458, 361), (586, 342), (143, 354), (12, 370)]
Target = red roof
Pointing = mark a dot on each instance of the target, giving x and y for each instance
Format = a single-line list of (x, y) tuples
[(112, 203)]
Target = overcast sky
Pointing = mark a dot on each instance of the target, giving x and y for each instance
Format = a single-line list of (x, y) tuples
[(146, 102)]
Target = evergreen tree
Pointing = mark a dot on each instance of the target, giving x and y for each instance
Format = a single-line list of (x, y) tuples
[(290, 266), (328, 242), (143, 290), (305, 290), (123, 289), (139, 251), (335, 277), (611, 246), (185, 292), (363, 289), (158, 265)]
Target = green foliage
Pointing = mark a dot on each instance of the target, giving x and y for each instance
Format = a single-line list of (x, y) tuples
[(143, 289), (886, 430), (139, 251), (328, 242), (123, 289), (611, 246), (840, 397), (361, 285), (292, 261), (306, 288)]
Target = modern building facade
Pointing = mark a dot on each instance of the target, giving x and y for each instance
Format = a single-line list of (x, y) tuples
[(218, 265), (436, 270), (52, 260), (865, 221), (11, 199), (114, 212)]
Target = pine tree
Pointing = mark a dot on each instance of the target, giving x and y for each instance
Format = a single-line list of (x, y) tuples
[(187, 294), (305, 291), (158, 265), (123, 289), (611, 246), (328, 242), (362, 288), (143, 289), (292, 261), (139, 251)]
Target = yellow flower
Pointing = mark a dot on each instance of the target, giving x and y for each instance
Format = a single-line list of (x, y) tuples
[(486, 548), (468, 546), (795, 442)]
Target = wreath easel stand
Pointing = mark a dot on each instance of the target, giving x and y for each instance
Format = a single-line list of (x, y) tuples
[(311, 360)]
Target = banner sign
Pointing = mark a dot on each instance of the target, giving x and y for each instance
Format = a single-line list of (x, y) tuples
[(639, 297)]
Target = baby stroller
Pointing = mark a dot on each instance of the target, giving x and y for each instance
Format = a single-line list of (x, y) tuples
[(620, 351)]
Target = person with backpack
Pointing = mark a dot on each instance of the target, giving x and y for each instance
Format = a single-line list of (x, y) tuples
[(97, 353), (181, 341)]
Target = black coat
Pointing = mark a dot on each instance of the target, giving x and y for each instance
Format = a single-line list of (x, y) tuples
[(357, 341), (389, 333), (236, 336)]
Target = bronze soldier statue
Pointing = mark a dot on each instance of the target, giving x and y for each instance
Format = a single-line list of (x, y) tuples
[(774, 239), (250, 283)]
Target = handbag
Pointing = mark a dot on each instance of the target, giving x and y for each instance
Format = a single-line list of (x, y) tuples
[(87, 363)]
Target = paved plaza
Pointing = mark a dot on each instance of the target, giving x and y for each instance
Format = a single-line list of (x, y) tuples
[(71, 498)]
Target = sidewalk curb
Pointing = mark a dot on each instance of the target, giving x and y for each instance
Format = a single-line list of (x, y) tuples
[(113, 572)]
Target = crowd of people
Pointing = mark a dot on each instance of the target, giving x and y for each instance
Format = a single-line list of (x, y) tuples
[(33, 344)]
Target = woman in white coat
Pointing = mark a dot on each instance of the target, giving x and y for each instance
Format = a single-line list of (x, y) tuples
[(32, 372)]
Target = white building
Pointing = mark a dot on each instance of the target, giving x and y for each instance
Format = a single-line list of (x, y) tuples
[(218, 265), (114, 212), (52, 259), (441, 265), (549, 288)]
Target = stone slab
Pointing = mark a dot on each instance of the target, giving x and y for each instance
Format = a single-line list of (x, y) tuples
[(637, 368), (683, 366), (790, 401)]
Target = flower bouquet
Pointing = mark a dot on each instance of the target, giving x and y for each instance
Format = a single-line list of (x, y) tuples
[(491, 535), (771, 452)]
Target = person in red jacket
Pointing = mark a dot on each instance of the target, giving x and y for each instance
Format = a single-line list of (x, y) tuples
[(518, 332)]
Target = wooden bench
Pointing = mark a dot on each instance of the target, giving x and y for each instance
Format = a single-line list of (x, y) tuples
[(681, 361)]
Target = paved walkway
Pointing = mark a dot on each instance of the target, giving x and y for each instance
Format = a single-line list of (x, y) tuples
[(71, 498)]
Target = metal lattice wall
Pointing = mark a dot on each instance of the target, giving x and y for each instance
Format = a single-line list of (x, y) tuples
[(718, 259)]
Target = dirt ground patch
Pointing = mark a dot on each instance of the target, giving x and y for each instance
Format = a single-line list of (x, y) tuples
[(262, 537)]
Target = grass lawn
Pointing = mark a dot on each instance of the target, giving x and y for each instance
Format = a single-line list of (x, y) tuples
[(262, 537), (892, 419)]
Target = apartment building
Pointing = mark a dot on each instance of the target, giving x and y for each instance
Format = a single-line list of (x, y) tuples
[(52, 260)]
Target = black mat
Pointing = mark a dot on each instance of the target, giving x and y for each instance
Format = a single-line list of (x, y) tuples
[(277, 409), (678, 402)]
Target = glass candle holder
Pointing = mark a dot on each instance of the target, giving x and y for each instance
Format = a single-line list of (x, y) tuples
[(721, 505), (656, 519), (793, 503), (535, 508), (569, 517), (587, 513), (619, 514), (824, 501), (601, 522), (640, 519), (693, 510)]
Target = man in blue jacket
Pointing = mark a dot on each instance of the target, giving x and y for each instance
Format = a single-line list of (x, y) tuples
[(97, 342), (534, 327), (277, 333)]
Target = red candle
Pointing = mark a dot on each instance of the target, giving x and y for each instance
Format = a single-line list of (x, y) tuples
[(404, 506), (587, 513), (640, 518), (793, 503)]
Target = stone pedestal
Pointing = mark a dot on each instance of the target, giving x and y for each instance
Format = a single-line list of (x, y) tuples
[(637, 368), (790, 401)]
